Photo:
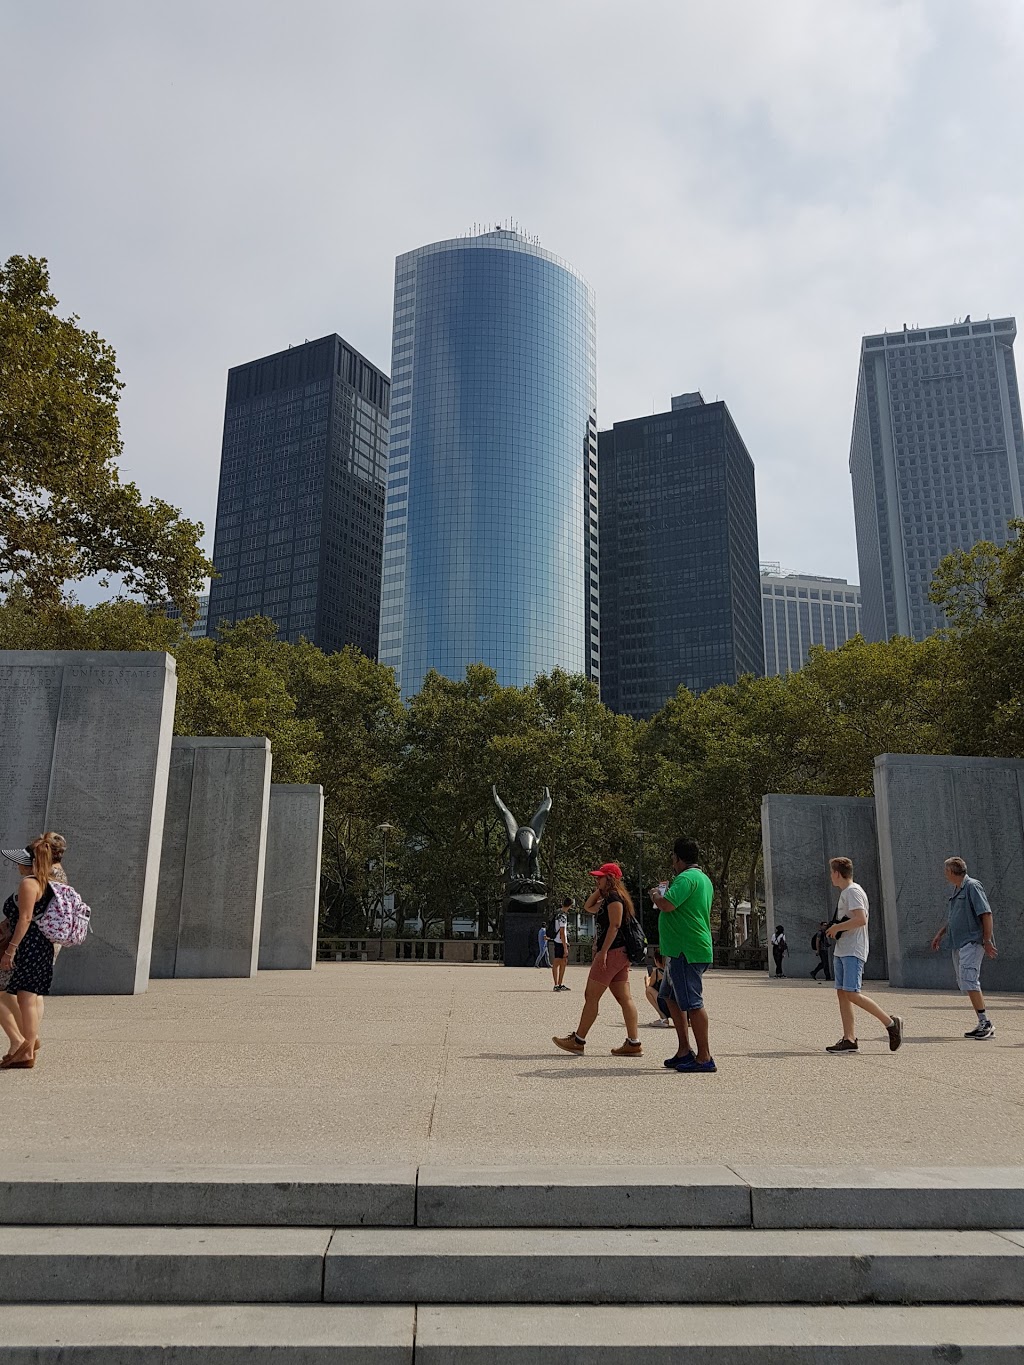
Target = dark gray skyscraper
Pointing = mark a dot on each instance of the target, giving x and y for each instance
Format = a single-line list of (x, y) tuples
[(937, 461), (680, 586), (300, 512)]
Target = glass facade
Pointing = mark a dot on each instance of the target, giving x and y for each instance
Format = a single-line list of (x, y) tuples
[(936, 460), (804, 610), (680, 586), (490, 539), (300, 510)]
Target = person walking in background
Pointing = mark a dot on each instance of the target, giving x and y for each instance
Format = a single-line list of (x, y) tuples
[(971, 939), (850, 931), (558, 944), (26, 964), (819, 943), (542, 943), (779, 948), (684, 938), (653, 991), (610, 905)]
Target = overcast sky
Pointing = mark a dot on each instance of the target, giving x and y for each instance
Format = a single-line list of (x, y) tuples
[(749, 185)]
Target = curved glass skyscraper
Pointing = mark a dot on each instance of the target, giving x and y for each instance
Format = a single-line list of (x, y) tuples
[(490, 538)]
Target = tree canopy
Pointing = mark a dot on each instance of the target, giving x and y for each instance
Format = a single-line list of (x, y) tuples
[(65, 513)]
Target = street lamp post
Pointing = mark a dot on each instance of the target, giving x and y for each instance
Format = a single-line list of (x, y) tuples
[(638, 835), (385, 830)]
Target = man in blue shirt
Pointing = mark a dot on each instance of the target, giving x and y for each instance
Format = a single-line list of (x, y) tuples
[(969, 925)]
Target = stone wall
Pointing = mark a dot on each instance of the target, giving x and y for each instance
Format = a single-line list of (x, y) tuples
[(211, 874), (933, 808), (800, 834), (85, 750), (291, 881)]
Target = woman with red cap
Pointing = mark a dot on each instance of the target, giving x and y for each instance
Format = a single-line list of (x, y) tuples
[(610, 905)]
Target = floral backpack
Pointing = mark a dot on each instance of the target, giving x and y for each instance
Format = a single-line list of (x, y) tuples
[(66, 919)]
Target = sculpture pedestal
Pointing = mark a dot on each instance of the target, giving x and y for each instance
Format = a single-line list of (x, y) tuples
[(526, 913)]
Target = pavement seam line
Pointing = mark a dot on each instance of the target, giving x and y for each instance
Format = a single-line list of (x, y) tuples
[(750, 1192), (442, 1070), (323, 1266)]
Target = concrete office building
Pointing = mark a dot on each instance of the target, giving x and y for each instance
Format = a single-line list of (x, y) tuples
[(490, 541), (801, 610), (300, 511), (680, 591), (936, 459)]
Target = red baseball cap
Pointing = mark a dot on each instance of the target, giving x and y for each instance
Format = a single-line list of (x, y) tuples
[(608, 870)]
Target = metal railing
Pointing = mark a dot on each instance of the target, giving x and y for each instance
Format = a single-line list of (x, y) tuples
[(410, 950)]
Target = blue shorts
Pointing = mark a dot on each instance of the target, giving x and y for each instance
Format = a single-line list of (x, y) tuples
[(849, 973), (684, 982), (967, 965)]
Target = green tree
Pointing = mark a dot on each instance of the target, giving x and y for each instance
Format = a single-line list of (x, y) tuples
[(65, 514), (122, 625), (863, 700), (714, 757), (981, 592), (238, 685), (354, 704), (452, 855)]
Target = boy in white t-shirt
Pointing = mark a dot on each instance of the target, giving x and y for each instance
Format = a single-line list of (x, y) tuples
[(850, 931)]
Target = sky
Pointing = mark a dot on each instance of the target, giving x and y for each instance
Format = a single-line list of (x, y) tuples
[(749, 186)]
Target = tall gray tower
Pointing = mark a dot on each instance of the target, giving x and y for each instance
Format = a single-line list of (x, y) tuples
[(936, 459)]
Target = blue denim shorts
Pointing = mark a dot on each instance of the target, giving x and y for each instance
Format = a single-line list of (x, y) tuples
[(849, 973), (684, 982)]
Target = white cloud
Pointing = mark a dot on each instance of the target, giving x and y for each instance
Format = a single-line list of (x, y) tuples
[(749, 186)]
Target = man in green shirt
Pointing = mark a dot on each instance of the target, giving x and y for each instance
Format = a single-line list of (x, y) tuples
[(684, 936)]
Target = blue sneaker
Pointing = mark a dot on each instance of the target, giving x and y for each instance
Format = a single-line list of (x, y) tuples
[(673, 1062), (691, 1064)]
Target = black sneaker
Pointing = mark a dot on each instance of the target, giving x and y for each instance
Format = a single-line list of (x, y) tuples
[(674, 1061), (895, 1032), (844, 1045), (985, 1030)]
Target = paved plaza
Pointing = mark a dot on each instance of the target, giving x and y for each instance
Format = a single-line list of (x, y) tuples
[(453, 1065)]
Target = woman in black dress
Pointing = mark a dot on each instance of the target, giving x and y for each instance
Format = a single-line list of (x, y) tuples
[(27, 959)]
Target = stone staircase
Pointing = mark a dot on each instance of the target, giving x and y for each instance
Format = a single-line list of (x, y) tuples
[(741, 1265)]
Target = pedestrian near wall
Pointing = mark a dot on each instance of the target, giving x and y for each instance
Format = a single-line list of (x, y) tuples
[(819, 944), (542, 943), (558, 944), (26, 963), (684, 937), (971, 939), (779, 948), (610, 904), (850, 931)]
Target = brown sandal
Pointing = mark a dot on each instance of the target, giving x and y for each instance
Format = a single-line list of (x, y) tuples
[(21, 1061), (9, 1056)]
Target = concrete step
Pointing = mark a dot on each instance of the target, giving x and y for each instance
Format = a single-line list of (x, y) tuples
[(957, 1197), (719, 1336), (468, 1266), (197, 1334), (611, 1197), (299, 1196), (564, 1197), (162, 1265)]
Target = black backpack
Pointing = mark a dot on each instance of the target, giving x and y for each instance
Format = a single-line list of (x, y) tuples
[(634, 940)]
